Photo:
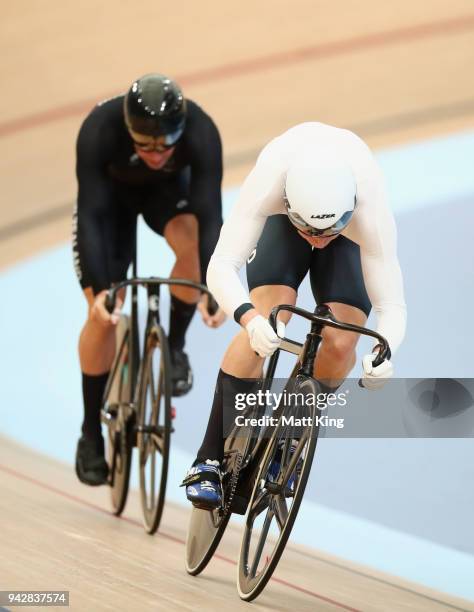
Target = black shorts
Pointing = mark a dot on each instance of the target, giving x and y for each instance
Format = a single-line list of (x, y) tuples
[(158, 203), (282, 257)]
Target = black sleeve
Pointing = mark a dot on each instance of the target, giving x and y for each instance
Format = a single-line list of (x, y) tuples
[(93, 202), (205, 188)]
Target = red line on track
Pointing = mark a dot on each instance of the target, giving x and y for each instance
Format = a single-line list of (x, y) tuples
[(83, 502), (260, 64)]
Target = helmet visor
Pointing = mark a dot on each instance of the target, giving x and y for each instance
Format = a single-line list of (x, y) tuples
[(169, 130), (149, 144), (309, 230)]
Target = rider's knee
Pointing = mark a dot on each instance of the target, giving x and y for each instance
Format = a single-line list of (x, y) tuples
[(182, 234), (340, 346), (265, 298)]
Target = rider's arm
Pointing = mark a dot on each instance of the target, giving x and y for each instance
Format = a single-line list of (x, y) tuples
[(374, 229), (93, 203), (205, 188), (259, 196)]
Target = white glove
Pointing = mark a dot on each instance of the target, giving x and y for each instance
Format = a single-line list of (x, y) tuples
[(263, 339), (375, 377)]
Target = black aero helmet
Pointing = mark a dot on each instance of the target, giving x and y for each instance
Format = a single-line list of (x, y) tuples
[(154, 105)]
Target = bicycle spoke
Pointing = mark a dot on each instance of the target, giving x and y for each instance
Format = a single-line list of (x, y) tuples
[(259, 505), (149, 447), (152, 406), (152, 481), (157, 403), (151, 386), (291, 467), (158, 443), (261, 541), (160, 386), (281, 510)]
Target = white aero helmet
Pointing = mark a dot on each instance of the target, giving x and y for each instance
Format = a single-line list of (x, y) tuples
[(320, 194)]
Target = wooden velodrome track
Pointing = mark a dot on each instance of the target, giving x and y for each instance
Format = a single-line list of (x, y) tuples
[(57, 534), (393, 72)]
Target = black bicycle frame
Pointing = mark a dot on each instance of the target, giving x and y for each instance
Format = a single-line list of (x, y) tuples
[(307, 352)]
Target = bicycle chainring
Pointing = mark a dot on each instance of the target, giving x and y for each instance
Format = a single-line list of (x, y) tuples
[(232, 484)]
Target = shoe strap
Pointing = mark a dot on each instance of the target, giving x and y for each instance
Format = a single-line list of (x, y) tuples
[(201, 476)]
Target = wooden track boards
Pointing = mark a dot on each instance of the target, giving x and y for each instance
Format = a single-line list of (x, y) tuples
[(59, 534)]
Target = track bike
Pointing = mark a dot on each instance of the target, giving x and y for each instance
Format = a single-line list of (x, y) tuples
[(265, 471), (136, 406)]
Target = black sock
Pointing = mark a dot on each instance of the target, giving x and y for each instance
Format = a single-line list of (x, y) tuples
[(92, 391), (227, 387), (181, 314)]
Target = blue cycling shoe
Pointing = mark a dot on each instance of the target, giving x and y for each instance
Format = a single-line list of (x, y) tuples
[(203, 485), (275, 466)]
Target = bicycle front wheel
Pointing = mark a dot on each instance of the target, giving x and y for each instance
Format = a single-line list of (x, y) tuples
[(154, 427), (205, 532), (117, 416), (276, 497)]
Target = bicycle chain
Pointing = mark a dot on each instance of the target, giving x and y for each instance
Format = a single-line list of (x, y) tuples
[(233, 483)]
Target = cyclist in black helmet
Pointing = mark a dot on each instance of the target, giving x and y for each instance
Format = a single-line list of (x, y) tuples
[(155, 153)]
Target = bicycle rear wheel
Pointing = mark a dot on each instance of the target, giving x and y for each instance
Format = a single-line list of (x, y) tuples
[(118, 420), (274, 504), (154, 428)]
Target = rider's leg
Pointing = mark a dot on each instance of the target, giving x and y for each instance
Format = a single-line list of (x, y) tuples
[(274, 272), (115, 248), (336, 356), (110, 251), (96, 353), (240, 368), (337, 280), (167, 211), (97, 339), (181, 233)]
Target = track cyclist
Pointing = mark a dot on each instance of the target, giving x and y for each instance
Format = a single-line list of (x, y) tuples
[(314, 202), (150, 152)]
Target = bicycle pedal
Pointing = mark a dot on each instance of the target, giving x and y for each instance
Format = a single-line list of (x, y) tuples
[(207, 508)]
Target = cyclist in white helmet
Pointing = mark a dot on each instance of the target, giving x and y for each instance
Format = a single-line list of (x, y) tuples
[(314, 202)]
